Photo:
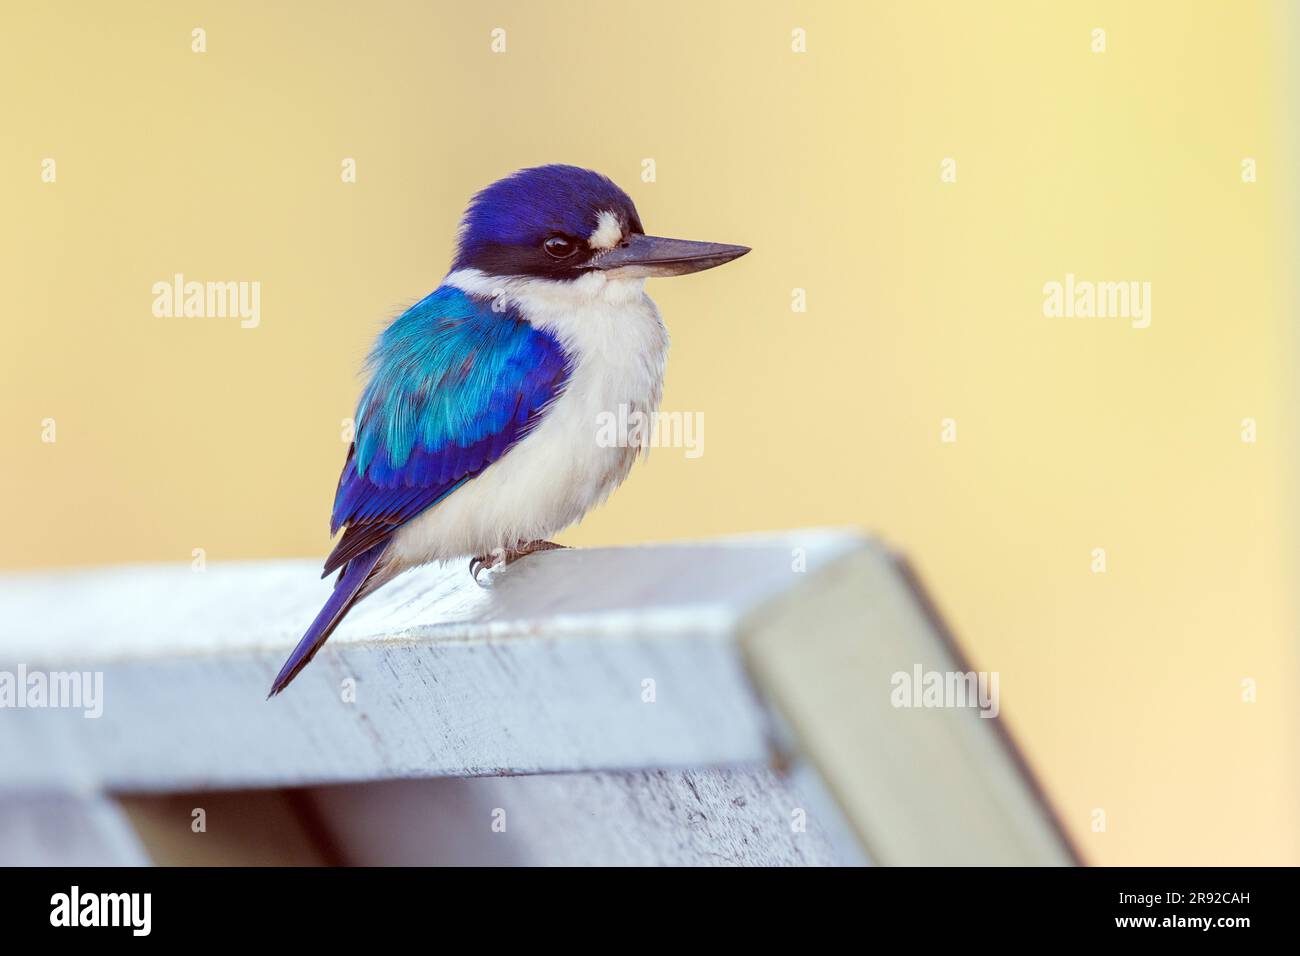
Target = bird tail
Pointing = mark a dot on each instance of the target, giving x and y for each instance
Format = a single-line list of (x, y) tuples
[(347, 589)]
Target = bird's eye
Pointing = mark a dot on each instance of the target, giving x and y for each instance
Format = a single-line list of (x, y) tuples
[(558, 247)]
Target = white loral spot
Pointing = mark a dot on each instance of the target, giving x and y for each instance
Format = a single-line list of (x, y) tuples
[(608, 232)]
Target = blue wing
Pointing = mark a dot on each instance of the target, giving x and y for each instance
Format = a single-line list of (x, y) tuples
[(454, 384)]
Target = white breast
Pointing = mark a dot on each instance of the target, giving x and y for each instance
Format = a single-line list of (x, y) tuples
[(618, 346)]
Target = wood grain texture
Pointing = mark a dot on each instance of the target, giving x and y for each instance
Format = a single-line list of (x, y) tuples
[(734, 817), (542, 671), (665, 704)]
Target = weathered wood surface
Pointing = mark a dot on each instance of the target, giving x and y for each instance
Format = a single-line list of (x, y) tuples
[(700, 817), (752, 817), (545, 670), (626, 677)]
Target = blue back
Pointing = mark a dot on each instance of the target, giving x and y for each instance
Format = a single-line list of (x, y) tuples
[(453, 386)]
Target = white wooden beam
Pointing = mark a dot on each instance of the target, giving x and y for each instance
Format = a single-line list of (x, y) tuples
[(545, 670), (760, 652)]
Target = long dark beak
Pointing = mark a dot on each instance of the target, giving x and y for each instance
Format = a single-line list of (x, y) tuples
[(640, 255)]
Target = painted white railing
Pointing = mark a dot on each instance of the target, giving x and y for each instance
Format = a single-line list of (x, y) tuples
[(714, 702)]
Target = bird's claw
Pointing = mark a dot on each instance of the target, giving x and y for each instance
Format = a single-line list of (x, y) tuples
[(485, 562), (508, 556)]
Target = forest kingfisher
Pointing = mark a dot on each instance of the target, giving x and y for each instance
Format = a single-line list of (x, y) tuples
[(476, 433)]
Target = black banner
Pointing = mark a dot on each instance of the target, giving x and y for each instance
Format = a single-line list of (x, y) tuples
[(210, 906)]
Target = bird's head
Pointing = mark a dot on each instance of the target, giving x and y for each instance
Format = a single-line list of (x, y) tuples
[(561, 223)]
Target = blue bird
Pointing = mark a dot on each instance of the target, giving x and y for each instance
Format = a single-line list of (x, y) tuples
[(476, 434)]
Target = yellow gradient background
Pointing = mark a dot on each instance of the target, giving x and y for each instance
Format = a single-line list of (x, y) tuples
[(924, 302)]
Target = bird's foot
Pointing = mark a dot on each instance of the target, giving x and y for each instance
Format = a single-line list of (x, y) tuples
[(532, 547), (501, 557)]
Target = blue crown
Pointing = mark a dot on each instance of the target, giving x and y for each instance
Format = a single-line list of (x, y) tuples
[(528, 206)]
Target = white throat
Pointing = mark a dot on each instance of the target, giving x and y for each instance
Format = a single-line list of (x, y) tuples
[(612, 317)]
